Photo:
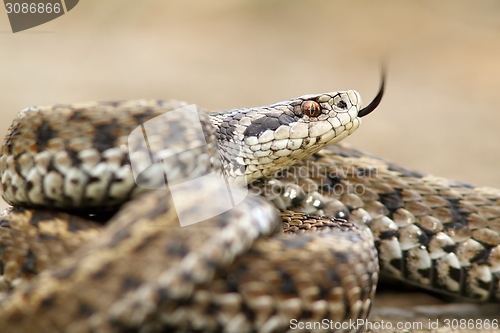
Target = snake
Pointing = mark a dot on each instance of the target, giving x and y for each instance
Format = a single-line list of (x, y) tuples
[(159, 216)]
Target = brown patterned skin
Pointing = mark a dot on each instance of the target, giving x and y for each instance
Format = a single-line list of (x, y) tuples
[(32, 241), (437, 233), (131, 275), (143, 270), (238, 272), (222, 298)]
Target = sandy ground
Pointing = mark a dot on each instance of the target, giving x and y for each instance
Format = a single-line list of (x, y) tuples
[(440, 113)]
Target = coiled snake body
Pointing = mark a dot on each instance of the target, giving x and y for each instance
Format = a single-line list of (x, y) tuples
[(243, 269)]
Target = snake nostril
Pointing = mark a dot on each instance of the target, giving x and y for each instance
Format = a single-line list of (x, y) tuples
[(311, 108), (342, 105)]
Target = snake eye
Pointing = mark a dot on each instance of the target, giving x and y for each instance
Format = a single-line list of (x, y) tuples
[(311, 108)]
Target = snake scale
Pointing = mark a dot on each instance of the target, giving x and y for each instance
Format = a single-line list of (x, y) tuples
[(343, 213)]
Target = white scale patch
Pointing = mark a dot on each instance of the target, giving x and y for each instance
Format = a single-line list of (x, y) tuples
[(251, 141), (443, 267), (278, 144), (114, 157), (53, 184), (299, 131), (283, 152), (42, 161), (89, 158), (437, 243), (74, 185), (282, 132), (354, 97), (266, 146), (62, 162), (265, 160), (418, 259), (26, 164), (467, 250), (262, 153), (409, 237), (495, 259), (245, 121), (309, 142), (96, 190), (344, 118), (320, 128), (390, 251), (255, 147), (294, 144), (335, 123), (267, 136), (35, 194)]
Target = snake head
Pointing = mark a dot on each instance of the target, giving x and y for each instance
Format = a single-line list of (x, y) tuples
[(261, 141)]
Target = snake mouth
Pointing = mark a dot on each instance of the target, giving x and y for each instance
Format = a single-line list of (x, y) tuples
[(376, 101)]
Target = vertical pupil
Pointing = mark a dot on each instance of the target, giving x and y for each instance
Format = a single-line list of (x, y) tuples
[(311, 108)]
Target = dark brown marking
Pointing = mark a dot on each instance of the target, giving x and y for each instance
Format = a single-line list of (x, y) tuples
[(388, 234), (104, 135), (287, 284), (84, 309), (286, 119), (296, 242), (176, 249), (29, 263), (392, 200), (102, 272), (458, 213), (270, 123), (47, 302), (406, 172), (118, 237), (130, 283), (65, 273), (39, 216), (342, 104), (44, 134), (145, 243), (161, 208)]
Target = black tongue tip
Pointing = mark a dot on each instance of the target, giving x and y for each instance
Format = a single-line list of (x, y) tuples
[(376, 101)]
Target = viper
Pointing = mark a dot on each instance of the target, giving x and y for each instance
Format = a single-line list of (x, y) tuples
[(157, 216)]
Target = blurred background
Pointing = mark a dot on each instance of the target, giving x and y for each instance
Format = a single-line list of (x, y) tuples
[(440, 113)]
